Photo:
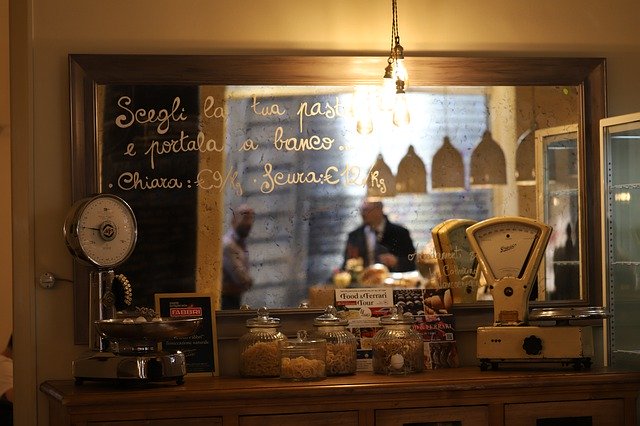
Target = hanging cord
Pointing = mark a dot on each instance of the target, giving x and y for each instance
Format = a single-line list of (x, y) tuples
[(394, 31)]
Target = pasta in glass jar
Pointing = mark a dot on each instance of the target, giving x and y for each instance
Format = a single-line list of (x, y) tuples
[(304, 358), (341, 343), (260, 346), (397, 348)]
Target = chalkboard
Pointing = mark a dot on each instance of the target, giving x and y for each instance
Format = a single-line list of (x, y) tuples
[(158, 185), (155, 130)]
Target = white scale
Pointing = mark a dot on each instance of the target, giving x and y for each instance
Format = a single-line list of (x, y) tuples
[(101, 231), (509, 250)]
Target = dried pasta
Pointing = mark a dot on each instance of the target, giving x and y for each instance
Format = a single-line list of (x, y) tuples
[(262, 359), (301, 368), (341, 358)]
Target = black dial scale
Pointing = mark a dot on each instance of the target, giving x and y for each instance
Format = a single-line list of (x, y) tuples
[(101, 231)]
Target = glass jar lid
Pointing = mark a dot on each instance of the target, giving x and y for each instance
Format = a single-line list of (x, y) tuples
[(303, 340), (397, 317), (329, 318), (263, 319)]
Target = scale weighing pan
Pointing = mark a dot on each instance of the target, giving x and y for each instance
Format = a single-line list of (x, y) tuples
[(509, 250), (156, 329)]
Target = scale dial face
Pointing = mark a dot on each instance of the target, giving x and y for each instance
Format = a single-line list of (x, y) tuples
[(101, 230), (454, 241), (508, 245), (455, 257)]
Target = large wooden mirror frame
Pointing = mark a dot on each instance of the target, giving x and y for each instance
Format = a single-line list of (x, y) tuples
[(90, 72)]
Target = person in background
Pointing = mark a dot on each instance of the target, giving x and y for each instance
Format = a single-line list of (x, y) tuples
[(6, 384), (378, 240), (236, 276)]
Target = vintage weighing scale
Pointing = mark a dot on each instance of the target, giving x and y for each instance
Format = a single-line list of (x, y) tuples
[(510, 250), (457, 263), (101, 231)]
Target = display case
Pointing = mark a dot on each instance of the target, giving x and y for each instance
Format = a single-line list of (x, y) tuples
[(557, 157), (620, 150)]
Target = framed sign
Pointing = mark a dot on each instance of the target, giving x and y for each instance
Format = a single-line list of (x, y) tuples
[(201, 348)]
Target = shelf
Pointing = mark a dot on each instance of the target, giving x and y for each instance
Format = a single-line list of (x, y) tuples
[(624, 186)]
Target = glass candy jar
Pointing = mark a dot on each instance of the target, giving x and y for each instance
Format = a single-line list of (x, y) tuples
[(260, 346), (397, 348), (341, 344), (304, 358)]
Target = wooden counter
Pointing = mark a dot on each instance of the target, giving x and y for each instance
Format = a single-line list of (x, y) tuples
[(468, 396)]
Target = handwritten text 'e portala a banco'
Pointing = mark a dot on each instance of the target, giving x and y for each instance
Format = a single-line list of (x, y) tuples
[(161, 120)]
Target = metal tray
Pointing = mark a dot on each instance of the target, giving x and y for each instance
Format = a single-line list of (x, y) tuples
[(568, 313), (166, 328)]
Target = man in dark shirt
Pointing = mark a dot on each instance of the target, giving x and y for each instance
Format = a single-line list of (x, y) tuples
[(378, 240)]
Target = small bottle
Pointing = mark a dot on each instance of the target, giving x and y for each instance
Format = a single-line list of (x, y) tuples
[(342, 347), (260, 346), (397, 348), (304, 358)]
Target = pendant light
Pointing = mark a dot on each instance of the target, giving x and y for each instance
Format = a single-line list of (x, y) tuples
[(412, 174), (380, 181), (447, 168), (488, 165), (361, 109), (395, 75)]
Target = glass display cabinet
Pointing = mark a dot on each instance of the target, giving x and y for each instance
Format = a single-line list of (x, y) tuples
[(620, 149), (557, 158)]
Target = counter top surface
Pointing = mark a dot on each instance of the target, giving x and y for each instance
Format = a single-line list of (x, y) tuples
[(68, 393)]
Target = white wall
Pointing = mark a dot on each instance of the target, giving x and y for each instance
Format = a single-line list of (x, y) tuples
[(44, 32)]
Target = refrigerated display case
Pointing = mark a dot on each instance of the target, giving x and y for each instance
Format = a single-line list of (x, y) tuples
[(620, 155)]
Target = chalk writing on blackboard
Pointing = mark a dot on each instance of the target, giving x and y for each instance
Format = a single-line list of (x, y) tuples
[(163, 117), (349, 175), (168, 142)]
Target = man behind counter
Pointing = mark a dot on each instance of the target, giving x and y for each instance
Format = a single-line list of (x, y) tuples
[(379, 241)]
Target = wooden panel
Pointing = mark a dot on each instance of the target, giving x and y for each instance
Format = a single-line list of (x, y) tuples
[(608, 412), (309, 419), (163, 422), (463, 416), (464, 395)]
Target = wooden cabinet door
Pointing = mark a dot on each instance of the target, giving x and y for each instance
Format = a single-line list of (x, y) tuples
[(453, 416), (345, 418), (607, 412)]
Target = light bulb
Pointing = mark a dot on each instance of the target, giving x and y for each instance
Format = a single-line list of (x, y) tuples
[(362, 111), (401, 115), (364, 126), (400, 72), (400, 69)]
